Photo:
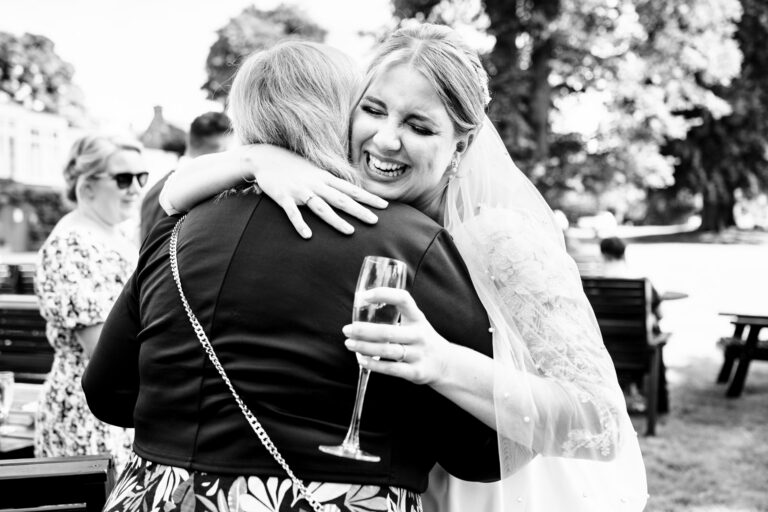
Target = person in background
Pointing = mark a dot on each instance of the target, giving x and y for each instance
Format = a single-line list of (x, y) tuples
[(209, 133), (82, 268), (613, 251)]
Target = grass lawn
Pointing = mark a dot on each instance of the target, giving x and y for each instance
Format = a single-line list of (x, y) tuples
[(710, 453)]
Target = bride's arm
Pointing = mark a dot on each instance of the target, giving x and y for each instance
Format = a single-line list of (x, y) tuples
[(461, 374), (281, 174), (466, 377)]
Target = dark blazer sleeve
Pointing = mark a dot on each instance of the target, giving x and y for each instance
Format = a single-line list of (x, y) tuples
[(443, 290), (111, 379), (151, 211)]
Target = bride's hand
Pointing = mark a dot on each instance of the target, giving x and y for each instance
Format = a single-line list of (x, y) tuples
[(412, 350), (290, 180)]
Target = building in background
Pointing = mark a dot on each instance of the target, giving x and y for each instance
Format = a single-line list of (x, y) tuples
[(33, 145), (33, 148), (164, 144)]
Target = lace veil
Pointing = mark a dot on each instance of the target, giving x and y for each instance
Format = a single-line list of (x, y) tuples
[(565, 438)]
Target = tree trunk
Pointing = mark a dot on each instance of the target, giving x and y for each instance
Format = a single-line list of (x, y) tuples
[(709, 215), (504, 71), (717, 214), (541, 94)]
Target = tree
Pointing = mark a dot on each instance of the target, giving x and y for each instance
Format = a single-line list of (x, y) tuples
[(722, 154), (586, 92), (653, 75), (251, 30), (33, 75)]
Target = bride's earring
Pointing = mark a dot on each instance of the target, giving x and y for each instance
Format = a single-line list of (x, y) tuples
[(453, 168)]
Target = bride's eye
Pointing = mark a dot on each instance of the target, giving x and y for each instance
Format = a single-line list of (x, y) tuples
[(421, 130), (368, 109)]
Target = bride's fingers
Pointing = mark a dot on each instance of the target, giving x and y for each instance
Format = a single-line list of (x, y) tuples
[(381, 333), (393, 368), (320, 208), (288, 205), (391, 351), (347, 204), (355, 192), (396, 297)]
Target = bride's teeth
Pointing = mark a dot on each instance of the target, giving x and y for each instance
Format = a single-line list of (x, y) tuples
[(387, 168)]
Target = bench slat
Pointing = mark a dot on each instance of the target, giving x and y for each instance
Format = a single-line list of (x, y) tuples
[(24, 347), (622, 308)]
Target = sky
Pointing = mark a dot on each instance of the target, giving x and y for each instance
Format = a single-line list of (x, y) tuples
[(130, 55)]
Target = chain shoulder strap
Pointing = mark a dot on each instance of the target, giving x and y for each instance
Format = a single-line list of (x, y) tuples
[(249, 416)]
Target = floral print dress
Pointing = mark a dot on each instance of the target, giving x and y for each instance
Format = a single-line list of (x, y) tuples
[(78, 280), (149, 487)]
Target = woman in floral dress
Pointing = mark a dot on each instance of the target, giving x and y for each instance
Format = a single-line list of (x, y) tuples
[(82, 268)]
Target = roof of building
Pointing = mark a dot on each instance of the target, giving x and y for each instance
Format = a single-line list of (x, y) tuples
[(163, 135)]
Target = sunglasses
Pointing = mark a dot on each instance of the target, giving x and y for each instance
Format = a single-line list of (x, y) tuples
[(125, 179)]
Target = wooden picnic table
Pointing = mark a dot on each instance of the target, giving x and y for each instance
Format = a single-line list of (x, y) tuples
[(672, 295), (746, 349)]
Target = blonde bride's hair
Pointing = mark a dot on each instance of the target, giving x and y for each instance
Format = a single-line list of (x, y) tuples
[(452, 68)]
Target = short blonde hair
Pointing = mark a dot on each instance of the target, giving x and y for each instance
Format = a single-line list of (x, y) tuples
[(298, 95), (453, 69), (89, 156)]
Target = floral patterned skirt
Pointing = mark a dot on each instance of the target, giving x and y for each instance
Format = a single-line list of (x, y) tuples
[(149, 487)]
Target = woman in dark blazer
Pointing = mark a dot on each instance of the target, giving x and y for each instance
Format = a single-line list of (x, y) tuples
[(273, 306)]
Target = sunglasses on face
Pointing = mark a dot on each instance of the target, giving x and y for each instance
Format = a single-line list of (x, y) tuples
[(125, 179)]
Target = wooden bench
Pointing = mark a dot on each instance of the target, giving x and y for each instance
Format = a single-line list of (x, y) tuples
[(56, 484), (24, 347), (623, 311), (17, 274)]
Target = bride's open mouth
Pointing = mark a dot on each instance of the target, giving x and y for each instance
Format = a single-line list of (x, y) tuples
[(384, 168)]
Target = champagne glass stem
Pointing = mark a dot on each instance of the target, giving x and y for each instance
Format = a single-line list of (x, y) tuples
[(353, 434)]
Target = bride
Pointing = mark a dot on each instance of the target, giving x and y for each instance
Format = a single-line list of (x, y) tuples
[(550, 390)]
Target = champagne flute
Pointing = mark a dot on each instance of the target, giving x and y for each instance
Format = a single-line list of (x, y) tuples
[(376, 272)]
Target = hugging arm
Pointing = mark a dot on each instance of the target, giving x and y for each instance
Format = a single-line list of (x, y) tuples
[(550, 386), (441, 283), (111, 380), (287, 178)]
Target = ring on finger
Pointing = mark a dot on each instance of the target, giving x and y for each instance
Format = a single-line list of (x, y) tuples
[(309, 198), (402, 356)]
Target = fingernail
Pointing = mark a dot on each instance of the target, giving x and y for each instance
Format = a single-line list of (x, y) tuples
[(306, 233), (372, 219), (348, 230), (349, 344), (347, 330)]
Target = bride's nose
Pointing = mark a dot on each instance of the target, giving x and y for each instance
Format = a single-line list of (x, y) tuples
[(387, 137)]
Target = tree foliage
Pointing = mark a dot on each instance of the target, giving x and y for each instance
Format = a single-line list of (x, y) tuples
[(251, 30), (722, 154), (33, 75)]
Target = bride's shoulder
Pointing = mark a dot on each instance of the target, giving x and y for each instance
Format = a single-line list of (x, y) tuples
[(515, 224), (521, 248)]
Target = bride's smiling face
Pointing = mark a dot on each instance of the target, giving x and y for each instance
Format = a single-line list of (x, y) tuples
[(403, 138)]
